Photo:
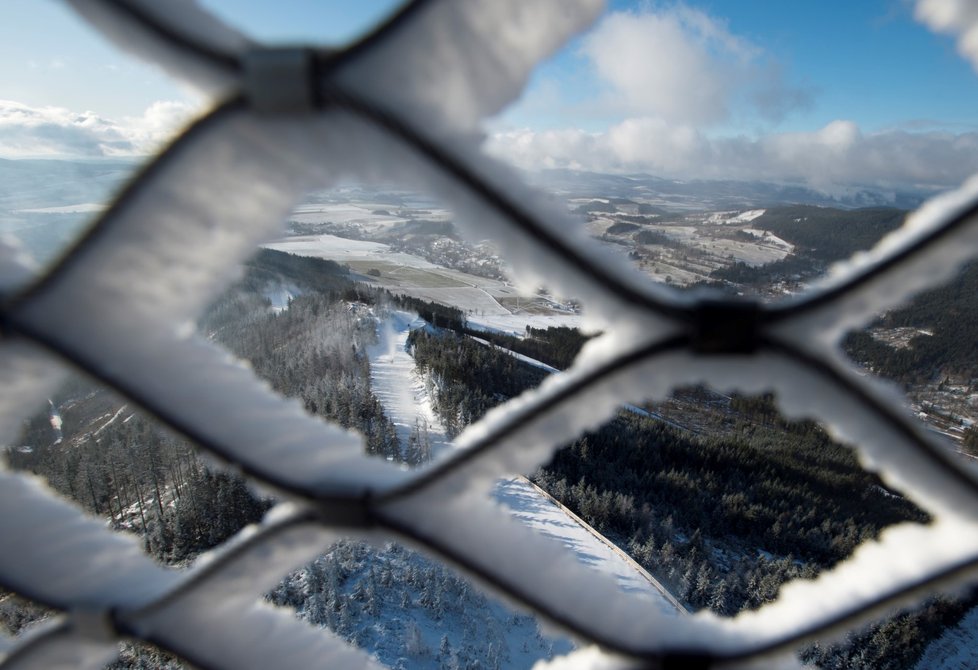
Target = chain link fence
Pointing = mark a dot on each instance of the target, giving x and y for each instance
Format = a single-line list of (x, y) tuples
[(403, 104)]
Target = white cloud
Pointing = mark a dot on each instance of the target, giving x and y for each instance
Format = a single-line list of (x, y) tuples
[(954, 17), (56, 131), (678, 73), (839, 154), (685, 67)]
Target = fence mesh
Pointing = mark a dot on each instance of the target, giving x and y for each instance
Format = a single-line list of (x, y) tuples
[(401, 104)]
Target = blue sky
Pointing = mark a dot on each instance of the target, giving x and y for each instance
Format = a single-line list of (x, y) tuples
[(868, 61), (664, 87)]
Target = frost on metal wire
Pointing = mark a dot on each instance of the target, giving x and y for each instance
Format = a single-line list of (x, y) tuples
[(140, 27), (456, 62), (403, 106)]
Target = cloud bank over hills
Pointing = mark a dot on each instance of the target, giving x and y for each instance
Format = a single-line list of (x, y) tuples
[(682, 83), (49, 131), (835, 155), (676, 93)]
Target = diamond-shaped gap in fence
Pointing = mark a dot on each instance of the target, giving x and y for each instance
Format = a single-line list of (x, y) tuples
[(297, 23), (103, 454), (722, 498)]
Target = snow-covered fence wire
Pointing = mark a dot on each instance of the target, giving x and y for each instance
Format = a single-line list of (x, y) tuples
[(403, 105)]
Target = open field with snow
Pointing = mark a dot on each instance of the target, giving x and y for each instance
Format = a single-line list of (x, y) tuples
[(343, 250), (477, 297), (80, 208)]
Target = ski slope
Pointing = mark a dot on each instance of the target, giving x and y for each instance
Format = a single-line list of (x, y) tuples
[(540, 512), (395, 381)]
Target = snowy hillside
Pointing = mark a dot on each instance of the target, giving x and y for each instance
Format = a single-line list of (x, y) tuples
[(411, 612), (956, 649), (544, 515)]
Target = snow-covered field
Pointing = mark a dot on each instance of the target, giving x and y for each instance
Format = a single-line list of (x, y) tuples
[(724, 218), (343, 250), (770, 238), (752, 253), (515, 324), (470, 299), (412, 275), (84, 207)]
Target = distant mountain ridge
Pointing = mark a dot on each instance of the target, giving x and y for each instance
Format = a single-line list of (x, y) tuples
[(27, 183), (700, 194), (42, 182)]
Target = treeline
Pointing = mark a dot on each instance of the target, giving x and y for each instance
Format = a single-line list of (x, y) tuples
[(794, 267), (454, 365), (821, 235), (896, 643), (655, 237), (557, 346), (271, 266), (438, 315), (949, 314), (827, 234)]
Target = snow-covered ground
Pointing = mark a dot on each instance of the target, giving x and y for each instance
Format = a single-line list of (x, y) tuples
[(723, 218), (769, 238), (956, 649), (540, 513), (280, 295), (83, 207), (343, 250), (515, 324), (472, 300), (477, 297), (395, 381), (750, 252)]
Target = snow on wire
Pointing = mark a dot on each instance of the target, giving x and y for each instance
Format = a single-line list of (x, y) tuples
[(403, 105)]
